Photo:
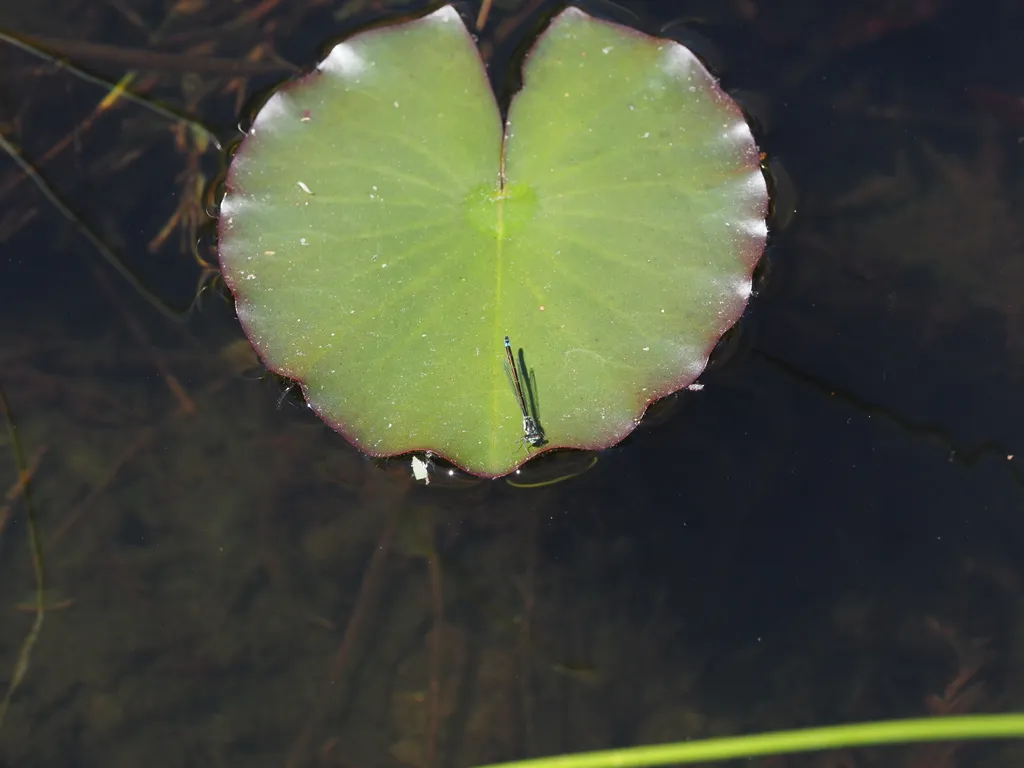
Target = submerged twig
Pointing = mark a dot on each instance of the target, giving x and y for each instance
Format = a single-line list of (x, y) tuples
[(124, 93), (21, 667), (367, 589), (76, 514), (150, 60), (967, 456), (18, 489), (434, 712), (481, 17), (88, 234), (69, 139), (528, 594), (185, 403)]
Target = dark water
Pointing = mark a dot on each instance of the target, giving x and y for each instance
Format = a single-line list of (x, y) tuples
[(829, 532)]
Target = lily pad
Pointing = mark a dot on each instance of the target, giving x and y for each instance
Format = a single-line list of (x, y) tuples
[(383, 230)]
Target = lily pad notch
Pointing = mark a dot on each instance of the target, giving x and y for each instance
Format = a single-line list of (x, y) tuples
[(383, 230)]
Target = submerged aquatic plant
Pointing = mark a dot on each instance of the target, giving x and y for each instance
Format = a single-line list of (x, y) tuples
[(23, 488)]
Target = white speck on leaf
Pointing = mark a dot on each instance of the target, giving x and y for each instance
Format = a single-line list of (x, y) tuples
[(304, 188)]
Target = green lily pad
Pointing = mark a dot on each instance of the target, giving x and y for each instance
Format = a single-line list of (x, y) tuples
[(383, 231)]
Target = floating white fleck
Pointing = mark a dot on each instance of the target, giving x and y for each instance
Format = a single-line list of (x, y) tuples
[(343, 60), (304, 188), (396, 105), (303, 241), (420, 470), (608, 49), (695, 387), (743, 289)]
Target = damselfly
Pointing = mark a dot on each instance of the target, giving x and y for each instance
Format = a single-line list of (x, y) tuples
[(532, 433)]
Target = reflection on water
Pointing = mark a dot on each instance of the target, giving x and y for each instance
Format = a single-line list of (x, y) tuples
[(828, 531)]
